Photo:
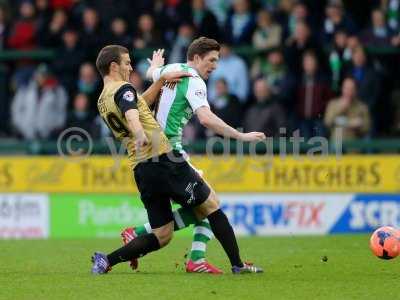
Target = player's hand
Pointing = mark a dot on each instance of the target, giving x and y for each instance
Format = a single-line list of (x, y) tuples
[(141, 140), (252, 137), (157, 59), (172, 78), (175, 76)]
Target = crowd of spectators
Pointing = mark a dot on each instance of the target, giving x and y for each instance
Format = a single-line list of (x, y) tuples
[(313, 66)]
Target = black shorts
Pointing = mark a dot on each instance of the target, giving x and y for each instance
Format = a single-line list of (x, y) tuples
[(167, 179)]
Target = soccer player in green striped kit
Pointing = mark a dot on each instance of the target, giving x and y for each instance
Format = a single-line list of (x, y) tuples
[(176, 107)]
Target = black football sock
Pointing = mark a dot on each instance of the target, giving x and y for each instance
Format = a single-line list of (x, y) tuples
[(134, 249), (224, 233)]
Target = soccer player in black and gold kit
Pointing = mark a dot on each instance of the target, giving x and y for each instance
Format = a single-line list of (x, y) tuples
[(160, 173), (118, 105)]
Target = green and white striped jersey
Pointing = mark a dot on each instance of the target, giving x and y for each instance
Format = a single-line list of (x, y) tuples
[(177, 105)]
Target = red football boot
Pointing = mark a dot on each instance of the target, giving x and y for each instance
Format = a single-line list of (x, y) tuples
[(203, 267), (128, 234)]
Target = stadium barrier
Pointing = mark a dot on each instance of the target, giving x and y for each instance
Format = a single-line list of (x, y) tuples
[(98, 215), (42, 197), (232, 174), (299, 214)]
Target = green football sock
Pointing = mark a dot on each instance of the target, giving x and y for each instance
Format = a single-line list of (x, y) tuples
[(201, 235), (183, 217)]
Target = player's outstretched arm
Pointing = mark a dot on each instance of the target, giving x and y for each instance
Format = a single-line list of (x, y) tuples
[(151, 94), (208, 119)]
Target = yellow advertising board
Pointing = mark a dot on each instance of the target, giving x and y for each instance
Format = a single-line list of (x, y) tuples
[(104, 174)]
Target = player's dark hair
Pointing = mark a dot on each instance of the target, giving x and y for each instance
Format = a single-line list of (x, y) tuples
[(107, 55), (201, 47)]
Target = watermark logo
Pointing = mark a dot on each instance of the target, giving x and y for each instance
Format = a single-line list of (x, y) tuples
[(76, 144)]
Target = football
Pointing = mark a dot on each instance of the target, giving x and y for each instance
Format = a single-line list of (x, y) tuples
[(384, 242)]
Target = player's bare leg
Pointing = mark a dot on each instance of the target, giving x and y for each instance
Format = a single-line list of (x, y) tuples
[(183, 217), (224, 233)]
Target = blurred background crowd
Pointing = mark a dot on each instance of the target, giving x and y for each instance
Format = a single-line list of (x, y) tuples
[(316, 66)]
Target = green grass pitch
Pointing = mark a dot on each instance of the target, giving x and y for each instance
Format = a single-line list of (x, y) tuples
[(59, 269)]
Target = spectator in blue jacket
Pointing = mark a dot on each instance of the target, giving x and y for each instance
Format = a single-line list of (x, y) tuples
[(234, 69)]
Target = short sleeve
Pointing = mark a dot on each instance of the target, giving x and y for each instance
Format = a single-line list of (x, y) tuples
[(156, 74), (197, 93), (126, 98)]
